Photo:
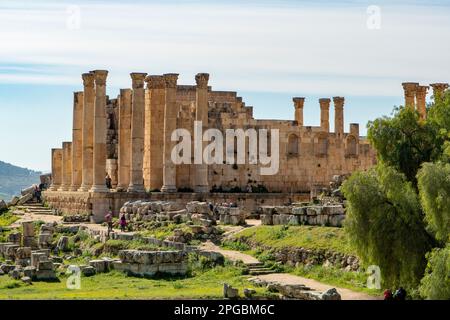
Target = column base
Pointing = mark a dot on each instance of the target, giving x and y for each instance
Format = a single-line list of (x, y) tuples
[(136, 188), (53, 188), (121, 189), (74, 188), (201, 189), (99, 188), (169, 189), (63, 188), (84, 188)]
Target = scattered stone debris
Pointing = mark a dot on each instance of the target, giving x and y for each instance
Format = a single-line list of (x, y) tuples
[(296, 291), (229, 292)]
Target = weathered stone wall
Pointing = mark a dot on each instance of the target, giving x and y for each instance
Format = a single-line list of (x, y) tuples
[(326, 215), (149, 263)]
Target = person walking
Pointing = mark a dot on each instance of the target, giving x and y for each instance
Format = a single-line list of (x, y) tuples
[(123, 223), (108, 219)]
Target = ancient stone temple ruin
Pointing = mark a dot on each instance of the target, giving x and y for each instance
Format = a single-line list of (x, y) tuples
[(129, 138)]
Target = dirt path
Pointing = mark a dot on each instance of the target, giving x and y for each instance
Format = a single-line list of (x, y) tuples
[(230, 254), (285, 278), (27, 216)]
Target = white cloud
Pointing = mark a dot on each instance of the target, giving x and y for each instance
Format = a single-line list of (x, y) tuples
[(313, 49)]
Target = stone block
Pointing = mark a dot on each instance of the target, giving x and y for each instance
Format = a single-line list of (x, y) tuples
[(298, 210), (45, 265), (266, 219), (28, 228), (29, 271), (46, 275), (88, 271)]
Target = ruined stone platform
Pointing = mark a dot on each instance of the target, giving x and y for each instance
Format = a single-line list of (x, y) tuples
[(98, 203)]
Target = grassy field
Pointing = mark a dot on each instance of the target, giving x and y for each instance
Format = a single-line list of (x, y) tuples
[(310, 237), (114, 285)]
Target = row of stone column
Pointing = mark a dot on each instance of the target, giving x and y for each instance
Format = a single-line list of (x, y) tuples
[(324, 113), (415, 95), (81, 164)]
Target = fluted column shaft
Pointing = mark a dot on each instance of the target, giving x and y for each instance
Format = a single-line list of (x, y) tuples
[(124, 151), (56, 169), (77, 141), (339, 116), (137, 133), (409, 89), (99, 167), (201, 114), (156, 87), (325, 114), (87, 145), (298, 105), (421, 95), (66, 166), (170, 124)]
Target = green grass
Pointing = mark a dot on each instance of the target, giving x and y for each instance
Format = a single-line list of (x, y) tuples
[(309, 237), (7, 218), (114, 285)]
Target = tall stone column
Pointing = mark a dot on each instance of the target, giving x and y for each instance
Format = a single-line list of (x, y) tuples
[(87, 145), (124, 139), (421, 95), (438, 90), (410, 94), (298, 104), (170, 124), (201, 114), (156, 87), (56, 169), (98, 184), (77, 141), (66, 166), (339, 116), (137, 133), (325, 114)]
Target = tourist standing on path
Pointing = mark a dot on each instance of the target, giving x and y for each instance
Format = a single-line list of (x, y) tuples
[(123, 223), (108, 219)]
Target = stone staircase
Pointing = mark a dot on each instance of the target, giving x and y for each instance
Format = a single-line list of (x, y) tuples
[(35, 208), (256, 269)]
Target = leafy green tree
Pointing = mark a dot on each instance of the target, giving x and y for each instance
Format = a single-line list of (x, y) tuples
[(385, 224), (434, 191), (436, 282), (404, 141)]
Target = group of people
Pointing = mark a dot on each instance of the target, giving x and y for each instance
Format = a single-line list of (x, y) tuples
[(399, 294), (109, 221), (37, 193)]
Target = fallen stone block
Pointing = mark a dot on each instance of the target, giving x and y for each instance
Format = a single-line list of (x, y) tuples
[(266, 219)]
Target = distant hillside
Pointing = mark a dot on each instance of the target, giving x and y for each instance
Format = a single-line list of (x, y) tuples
[(13, 179)]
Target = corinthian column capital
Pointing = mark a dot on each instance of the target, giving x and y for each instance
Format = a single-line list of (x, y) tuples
[(100, 77), (137, 80), (171, 80), (155, 82), (88, 79), (202, 80)]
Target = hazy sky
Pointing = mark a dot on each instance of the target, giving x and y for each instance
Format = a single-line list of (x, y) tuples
[(268, 51)]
